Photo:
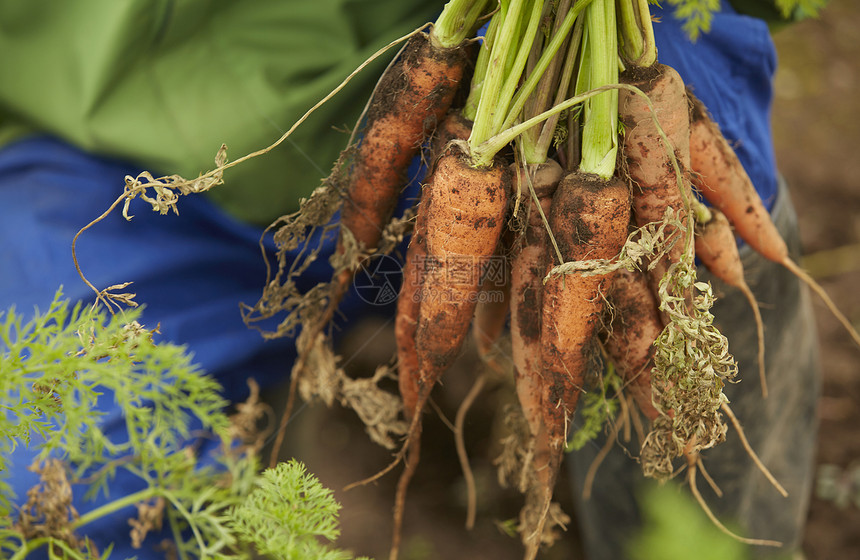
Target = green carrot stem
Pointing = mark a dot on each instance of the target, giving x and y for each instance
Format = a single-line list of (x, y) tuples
[(574, 132), (600, 114), (115, 506), (470, 110), (531, 82), (502, 48), (512, 79), (546, 65), (649, 48), (548, 132), (632, 42), (456, 22)]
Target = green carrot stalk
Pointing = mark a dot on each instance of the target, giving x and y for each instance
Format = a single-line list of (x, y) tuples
[(470, 110), (518, 64), (599, 67), (637, 32), (546, 57), (456, 23), (505, 47), (546, 63)]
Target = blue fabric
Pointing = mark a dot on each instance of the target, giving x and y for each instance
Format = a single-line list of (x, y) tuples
[(190, 271), (730, 69)]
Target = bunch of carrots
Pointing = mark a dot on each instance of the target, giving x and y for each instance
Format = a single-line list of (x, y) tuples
[(575, 156)]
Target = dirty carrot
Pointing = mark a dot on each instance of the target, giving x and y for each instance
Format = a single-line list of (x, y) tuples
[(528, 268), (655, 184), (635, 325), (465, 212), (406, 318), (453, 127), (408, 102), (589, 218)]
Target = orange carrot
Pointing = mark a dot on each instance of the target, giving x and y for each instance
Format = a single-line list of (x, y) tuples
[(406, 319), (410, 99), (655, 185), (636, 324), (718, 251), (721, 178), (407, 104), (453, 127), (589, 219), (528, 267), (465, 212)]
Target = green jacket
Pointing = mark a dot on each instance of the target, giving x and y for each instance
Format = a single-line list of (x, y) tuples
[(163, 83)]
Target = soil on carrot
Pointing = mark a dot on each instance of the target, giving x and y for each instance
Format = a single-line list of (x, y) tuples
[(815, 100)]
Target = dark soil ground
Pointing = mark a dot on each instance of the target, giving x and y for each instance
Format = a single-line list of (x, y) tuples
[(816, 127)]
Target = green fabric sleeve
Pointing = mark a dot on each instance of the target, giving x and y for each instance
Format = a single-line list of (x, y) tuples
[(164, 83)]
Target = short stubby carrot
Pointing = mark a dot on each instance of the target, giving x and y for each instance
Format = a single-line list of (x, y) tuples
[(634, 327), (655, 182)]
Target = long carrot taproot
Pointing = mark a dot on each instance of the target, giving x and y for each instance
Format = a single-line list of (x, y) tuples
[(465, 212), (589, 218), (529, 260), (723, 181), (453, 127)]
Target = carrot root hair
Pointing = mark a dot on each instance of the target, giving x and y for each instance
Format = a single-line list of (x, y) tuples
[(816, 287)]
